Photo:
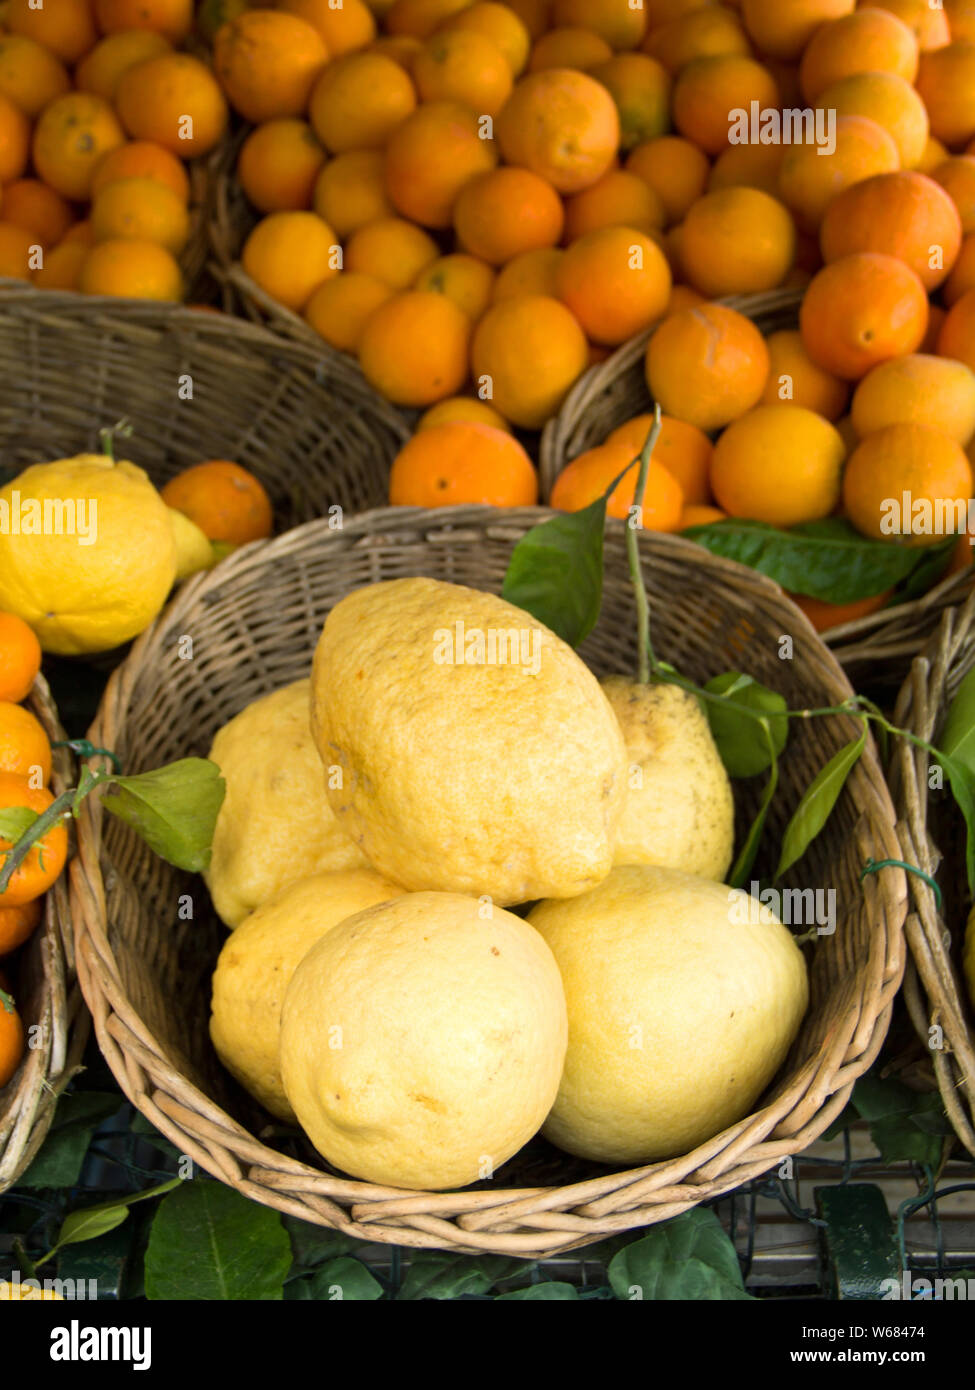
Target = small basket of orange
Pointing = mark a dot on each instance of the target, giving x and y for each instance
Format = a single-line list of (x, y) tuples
[(44, 1024)]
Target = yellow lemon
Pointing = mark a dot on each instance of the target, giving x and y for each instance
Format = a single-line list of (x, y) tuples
[(194, 551)]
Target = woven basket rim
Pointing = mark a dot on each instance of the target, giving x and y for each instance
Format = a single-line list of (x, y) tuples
[(528, 1222)]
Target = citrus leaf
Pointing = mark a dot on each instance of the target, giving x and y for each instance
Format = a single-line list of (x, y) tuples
[(742, 742), (549, 1292), (742, 866), (16, 821), (174, 808), (689, 1257), (962, 783), (818, 801), (957, 756), (438, 1274), (905, 1125), (556, 572), (59, 1159), (343, 1280), (87, 1224), (209, 1242)]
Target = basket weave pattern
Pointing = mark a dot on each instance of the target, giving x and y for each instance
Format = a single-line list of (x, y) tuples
[(145, 972)]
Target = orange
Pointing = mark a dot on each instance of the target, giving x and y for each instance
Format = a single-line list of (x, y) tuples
[(621, 24), (640, 87), (783, 30), (420, 18), (350, 191), (131, 270), (413, 349), (141, 159), (44, 862), (825, 616), (706, 365), (707, 90), (936, 317), (562, 125), (905, 214), (20, 657), (957, 178), (431, 156), (616, 281), (24, 746), (11, 1042), (140, 210), (809, 180), (16, 251), (918, 389), (959, 282), (928, 23), (31, 75), (525, 355), (683, 297), (358, 102), (30, 204), (534, 14), (501, 214), (171, 18), (587, 477), (704, 33), (664, 11), (467, 408), (683, 449), (934, 155), (278, 165), (458, 65), (533, 272), (267, 63), (929, 466), (174, 101), (226, 501), (401, 48), (62, 267), (289, 254), (65, 27), (466, 280), (392, 250), (16, 925), (81, 232), (619, 198), (859, 311), (748, 166), (961, 19), (343, 28), (697, 515), (794, 379), (462, 462), (957, 336), (676, 170), (737, 241), (780, 464), (339, 308), (14, 140), (946, 85), (580, 49), (501, 25), (890, 101), (866, 41)]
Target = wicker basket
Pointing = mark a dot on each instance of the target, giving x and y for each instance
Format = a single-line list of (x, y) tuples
[(877, 648), (312, 431), (146, 974), (48, 998), (931, 831)]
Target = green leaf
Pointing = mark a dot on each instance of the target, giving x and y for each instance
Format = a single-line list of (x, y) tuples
[(438, 1274), (742, 866), (342, 1280), (556, 572), (549, 1292), (89, 1223), (962, 783), (689, 1257), (905, 1125), (59, 1159), (208, 1242), (958, 734), (312, 1244), (173, 808), (931, 568), (740, 736), (827, 559), (16, 821), (818, 801)]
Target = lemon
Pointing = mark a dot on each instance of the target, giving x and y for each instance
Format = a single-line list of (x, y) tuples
[(275, 824), (87, 555), (478, 753), (679, 810), (684, 997), (422, 1040), (193, 550), (256, 965)]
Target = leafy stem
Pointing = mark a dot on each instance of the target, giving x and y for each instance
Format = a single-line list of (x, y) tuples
[(645, 656), (94, 1221)]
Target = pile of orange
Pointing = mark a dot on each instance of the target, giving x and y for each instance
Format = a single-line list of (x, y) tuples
[(25, 769), (479, 199), (100, 111)]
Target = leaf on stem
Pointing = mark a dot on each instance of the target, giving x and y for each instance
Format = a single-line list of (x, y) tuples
[(740, 736), (818, 801), (15, 821), (174, 808), (556, 572), (742, 866)]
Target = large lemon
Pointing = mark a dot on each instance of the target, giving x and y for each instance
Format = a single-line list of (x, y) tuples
[(422, 1040), (275, 824), (256, 965), (684, 997), (478, 753), (679, 811), (87, 554)]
